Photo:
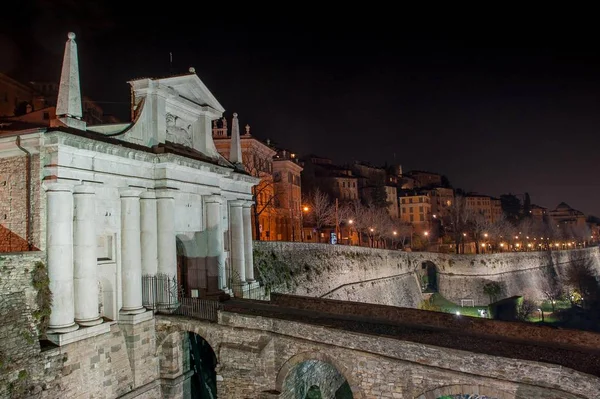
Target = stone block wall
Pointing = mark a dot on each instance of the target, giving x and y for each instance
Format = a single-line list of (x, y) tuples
[(392, 277), (99, 366), (14, 220), (19, 342)]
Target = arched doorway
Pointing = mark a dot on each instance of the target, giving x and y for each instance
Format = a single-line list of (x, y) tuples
[(203, 361), (429, 277), (182, 272)]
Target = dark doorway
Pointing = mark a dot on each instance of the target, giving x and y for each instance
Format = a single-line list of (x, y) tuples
[(430, 276), (202, 362), (182, 272)]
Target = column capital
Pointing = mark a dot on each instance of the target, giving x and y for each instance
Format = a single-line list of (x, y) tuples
[(58, 186), (130, 192), (213, 198), (148, 195), (164, 193), (84, 189), (237, 203), (248, 204)]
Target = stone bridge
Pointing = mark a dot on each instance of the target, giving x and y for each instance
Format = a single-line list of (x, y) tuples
[(283, 348)]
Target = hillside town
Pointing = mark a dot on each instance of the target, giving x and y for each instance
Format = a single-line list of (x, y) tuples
[(310, 198)]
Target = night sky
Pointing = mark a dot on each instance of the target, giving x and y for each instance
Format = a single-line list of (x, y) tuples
[(497, 109)]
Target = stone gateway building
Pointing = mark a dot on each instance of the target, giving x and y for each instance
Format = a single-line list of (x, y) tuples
[(110, 204)]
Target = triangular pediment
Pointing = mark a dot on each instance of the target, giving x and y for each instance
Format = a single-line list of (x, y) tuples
[(193, 89)]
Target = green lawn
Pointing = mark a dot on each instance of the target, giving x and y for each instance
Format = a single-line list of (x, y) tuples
[(450, 307)]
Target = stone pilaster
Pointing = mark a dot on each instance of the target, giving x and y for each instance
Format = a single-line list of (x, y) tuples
[(85, 257), (131, 252), (248, 257), (236, 226), (59, 248), (215, 262)]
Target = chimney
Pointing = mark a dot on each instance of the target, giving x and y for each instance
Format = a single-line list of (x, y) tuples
[(68, 104)]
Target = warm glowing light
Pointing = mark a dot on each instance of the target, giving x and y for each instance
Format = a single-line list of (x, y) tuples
[(371, 230), (457, 313), (557, 244), (305, 209), (426, 233), (518, 245), (516, 237), (395, 232), (465, 234), (350, 221), (501, 244), (482, 244), (529, 245), (434, 216), (485, 235)]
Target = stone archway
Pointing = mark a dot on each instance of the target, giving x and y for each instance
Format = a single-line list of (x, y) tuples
[(464, 392), (429, 277), (308, 369), (188, 361)]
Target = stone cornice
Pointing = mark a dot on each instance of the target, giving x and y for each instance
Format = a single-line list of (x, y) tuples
[(84, 143)]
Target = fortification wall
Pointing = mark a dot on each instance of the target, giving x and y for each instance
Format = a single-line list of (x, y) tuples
[(339, 272), (392, 277)]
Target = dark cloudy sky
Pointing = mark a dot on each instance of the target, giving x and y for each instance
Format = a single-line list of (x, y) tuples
[(496, 107)]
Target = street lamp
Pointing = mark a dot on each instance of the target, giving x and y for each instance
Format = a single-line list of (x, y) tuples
[(350, 222), (305, 209)]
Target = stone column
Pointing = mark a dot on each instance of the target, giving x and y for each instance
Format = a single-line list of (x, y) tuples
[(149, 245), (149, 233), (59, 249), (248, 258), (131, 252), (216, 249), (167, 246), (85, 257), (236, 225), (167, 249)]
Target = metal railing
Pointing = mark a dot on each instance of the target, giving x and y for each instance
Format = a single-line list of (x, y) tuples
[(164, 295)]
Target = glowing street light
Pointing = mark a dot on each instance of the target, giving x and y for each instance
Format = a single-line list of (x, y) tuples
[(305, 209), (395, 233), (350, 221), (485, 235), (426, 233)]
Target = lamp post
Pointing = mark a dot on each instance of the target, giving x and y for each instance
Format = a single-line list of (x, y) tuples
[(350, 222), (305, 209)]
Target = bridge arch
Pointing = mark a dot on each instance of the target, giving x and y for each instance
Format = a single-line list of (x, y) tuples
[(468, 391), (170, 333), (297, 360)]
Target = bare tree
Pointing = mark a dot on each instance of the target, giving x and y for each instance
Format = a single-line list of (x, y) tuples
[(552, 290), (458, 217), (321, 212), (264, 195), (479, 226), (401, 232)]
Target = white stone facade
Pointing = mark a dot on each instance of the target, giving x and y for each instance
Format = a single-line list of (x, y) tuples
[(120, 197)]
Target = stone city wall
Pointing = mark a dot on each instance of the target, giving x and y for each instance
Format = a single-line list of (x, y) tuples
[(110, 365), (392, 277), (13, 204)]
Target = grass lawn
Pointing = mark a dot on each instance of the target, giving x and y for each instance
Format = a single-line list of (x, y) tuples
[(450, 307)]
